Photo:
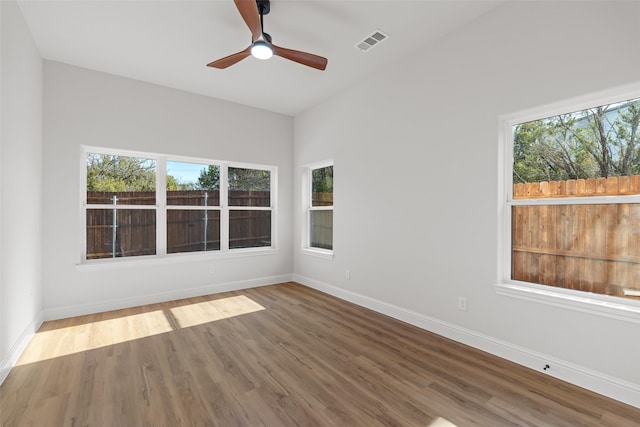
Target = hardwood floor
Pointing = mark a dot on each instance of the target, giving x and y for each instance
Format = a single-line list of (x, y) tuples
[(281, 355)]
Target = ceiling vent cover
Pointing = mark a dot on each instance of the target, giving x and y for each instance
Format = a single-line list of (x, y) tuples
[(372, 40)]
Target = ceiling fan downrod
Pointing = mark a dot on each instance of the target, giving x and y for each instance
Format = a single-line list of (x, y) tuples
[(264, 6)]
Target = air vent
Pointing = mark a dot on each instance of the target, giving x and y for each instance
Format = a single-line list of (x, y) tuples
[(372, 40)]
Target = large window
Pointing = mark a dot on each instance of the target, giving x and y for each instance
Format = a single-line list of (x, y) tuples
[(572, 217), (318, 194), (148, 204)]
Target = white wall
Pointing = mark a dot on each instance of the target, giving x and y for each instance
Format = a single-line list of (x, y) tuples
[(416, 230), (20, 186), (84, 107), (416, 182)]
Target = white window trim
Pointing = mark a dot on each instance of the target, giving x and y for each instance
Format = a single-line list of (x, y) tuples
[(585, 302), (306, 247), (161, 208)]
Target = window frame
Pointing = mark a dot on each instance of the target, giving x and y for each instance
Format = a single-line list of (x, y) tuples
[(592, 303), (161, 208), (307, 208)]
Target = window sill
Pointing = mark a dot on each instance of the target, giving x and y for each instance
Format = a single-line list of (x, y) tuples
[(599, 305), (153, 260), (319, 253)]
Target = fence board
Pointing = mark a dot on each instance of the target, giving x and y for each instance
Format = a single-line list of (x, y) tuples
[(186, 229), (611, 186), (593, 248)]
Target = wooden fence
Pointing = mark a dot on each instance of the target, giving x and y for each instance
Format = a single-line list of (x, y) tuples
[(593, 248), (612, 186), (187, 230), (321, 222)]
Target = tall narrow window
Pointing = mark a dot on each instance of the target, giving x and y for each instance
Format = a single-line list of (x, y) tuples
[(320, 214), (249, 193), (121, 206), (193, 207)]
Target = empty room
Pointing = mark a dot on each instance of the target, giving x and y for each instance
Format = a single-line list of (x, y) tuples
[(319, 213)]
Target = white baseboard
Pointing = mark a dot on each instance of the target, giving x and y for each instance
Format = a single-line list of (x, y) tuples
[(18, 347), (597, 382), (116, 304)]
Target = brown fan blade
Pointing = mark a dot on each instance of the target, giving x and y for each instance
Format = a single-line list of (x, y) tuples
[(308, 59), (228, 61), (249, 11)]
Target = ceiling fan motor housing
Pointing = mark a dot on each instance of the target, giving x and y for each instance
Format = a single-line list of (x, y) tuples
[(264, 6)]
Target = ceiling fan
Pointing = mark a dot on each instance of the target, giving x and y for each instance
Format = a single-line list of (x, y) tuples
[(252, 11)]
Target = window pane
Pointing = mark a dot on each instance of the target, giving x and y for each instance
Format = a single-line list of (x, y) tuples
[(193, 198), (193, 184), (192, 231), (249, 187), (249, 229), (321, 229), (322, 186), (115, 233), (120, 180), (598, 142), (591, 248)]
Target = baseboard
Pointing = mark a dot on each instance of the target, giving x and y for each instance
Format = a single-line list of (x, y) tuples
[(597, 382), (18, 347), (116, 304)]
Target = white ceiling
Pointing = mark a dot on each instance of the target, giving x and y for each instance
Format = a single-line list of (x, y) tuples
[(169, 43)]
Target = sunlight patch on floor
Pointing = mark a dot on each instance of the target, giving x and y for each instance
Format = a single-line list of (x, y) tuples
[(73, 339), (49, 344), (441, 422), (210, 311)]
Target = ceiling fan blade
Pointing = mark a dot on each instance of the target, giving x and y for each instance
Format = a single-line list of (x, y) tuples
[(228, 61), (308, 59), (249, 11)]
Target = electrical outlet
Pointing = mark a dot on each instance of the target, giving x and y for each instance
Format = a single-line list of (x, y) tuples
[(212, 269), (347, 274), (462, 304)]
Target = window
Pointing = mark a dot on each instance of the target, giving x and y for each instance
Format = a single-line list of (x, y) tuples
[(149, 204), (319, 207), (193, 207), (572, 211), (120, 206), (249, 208)]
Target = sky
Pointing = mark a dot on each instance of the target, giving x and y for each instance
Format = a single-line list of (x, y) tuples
[(185, 173)]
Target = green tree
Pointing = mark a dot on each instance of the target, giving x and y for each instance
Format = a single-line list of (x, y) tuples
[(120, 173), (322, 180), (209, 178), (249, 179), (532, 154), (172, 183), (627, 130), (598, 142)]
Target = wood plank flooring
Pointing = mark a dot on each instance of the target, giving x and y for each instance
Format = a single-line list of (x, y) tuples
[(281, 355)]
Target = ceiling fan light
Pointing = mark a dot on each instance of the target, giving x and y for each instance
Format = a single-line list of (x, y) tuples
[(261, 50)]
